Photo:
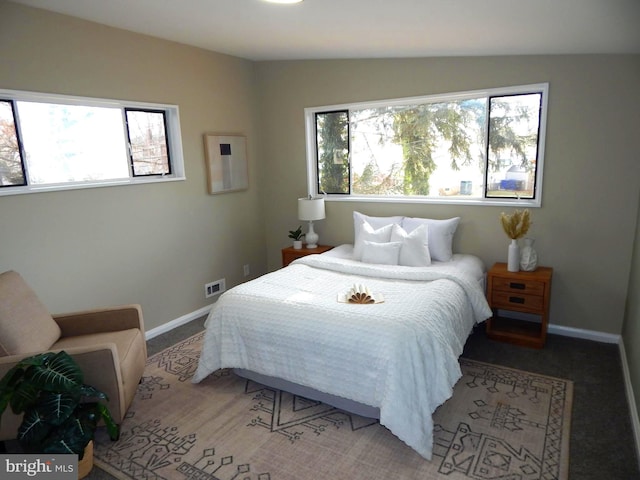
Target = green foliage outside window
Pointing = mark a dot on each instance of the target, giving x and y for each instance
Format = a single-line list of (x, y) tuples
[(484, 146)]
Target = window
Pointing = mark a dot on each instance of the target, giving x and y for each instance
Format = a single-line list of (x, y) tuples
[(480, 147), (55, 142), (148, 142)]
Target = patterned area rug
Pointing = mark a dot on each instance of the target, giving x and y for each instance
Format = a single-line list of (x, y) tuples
[(500, 424)]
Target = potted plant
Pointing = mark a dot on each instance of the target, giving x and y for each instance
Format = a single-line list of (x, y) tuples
[(297, 237), (61, 413)]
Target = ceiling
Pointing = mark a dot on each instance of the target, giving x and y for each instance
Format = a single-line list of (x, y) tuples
[(317, 29)]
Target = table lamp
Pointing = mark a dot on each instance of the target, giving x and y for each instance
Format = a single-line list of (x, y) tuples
[(310, 209)]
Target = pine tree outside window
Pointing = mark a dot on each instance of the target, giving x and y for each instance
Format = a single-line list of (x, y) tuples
[(479, 147)]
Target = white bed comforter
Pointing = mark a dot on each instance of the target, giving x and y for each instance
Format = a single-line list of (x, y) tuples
[(400, 355)]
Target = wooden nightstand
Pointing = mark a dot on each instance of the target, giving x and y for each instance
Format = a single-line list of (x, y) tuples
[(525, 292), (289, 254)]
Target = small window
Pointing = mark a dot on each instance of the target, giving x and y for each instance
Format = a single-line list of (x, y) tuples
[(332, 130), (148, 139), (512, 147), (58, 142), (11, 166), (480, 147)]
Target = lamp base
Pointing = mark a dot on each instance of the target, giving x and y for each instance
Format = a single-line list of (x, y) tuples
[(311, 237)]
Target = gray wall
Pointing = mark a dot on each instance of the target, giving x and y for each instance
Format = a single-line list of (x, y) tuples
[(586, 225), (631, 327), (589, 220), (158, 244), (155, 244)]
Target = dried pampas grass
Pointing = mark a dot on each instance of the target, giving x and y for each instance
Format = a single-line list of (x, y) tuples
[(517, 224)]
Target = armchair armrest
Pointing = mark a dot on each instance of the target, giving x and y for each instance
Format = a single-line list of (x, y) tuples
[(101, 367), (100, 320)]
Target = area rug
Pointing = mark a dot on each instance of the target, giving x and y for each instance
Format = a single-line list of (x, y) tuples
[(500, 423)]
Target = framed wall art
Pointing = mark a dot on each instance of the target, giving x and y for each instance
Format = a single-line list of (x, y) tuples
[(226, 159)]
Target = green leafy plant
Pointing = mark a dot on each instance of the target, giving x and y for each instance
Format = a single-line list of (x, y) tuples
[(296, 234), (61, 413)]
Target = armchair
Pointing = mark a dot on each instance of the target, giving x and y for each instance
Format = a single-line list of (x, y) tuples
[(109, 344)]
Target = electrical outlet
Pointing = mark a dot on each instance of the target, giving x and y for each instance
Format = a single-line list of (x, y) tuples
[(214, 288), (246, 270)]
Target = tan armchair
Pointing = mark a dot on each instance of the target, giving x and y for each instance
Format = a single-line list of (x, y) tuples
[(108, 344)]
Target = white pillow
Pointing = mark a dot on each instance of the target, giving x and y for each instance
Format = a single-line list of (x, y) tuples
[(375, 222), (415, 249), (368, 234), (440, 235), (381, 253)]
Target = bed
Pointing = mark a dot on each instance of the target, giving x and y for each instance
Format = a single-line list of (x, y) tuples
[(396, 359)]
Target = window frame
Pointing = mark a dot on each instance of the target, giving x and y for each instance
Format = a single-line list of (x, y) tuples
[(312, 160), (132, 162), (172, 131), (18, 134)]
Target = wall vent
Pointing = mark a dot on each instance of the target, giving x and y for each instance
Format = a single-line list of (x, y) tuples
[(214, 288)]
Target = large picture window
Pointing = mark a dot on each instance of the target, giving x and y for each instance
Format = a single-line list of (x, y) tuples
[(51, 142), (481, 147)]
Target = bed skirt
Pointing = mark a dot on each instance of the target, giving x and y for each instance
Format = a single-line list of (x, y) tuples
[(350, 406)]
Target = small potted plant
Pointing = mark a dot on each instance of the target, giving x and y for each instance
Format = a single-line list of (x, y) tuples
[(61, 413), (297, 237)]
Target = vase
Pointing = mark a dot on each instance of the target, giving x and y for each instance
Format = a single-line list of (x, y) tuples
[(513, 259), (528, 256), (297, 244)]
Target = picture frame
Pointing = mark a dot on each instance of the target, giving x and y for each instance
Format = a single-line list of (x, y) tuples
[(226, 162)]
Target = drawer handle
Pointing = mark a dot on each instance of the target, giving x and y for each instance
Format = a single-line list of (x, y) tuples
[(518, 286), (516, 300)]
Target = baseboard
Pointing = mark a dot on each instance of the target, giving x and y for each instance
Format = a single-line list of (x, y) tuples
[(631, 398), (567, 331), (584, 334), (553, 329), (164, 328)]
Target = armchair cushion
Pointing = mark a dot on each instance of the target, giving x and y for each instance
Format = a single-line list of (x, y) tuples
[(26, 326), (129, 360)]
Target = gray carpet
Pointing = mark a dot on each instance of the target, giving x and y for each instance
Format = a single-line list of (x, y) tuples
[(602, 442)]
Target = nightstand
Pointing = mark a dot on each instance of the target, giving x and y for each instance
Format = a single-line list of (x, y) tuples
[(527, 293), (289, 254)]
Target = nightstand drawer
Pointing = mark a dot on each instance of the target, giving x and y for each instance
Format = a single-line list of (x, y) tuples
[(517, 301), (518, 287)]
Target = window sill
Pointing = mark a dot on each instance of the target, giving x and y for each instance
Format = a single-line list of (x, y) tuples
[(506, 202), (19, 190)]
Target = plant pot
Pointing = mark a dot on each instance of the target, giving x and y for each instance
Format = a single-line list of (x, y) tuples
[(86, 464), (297, 244)]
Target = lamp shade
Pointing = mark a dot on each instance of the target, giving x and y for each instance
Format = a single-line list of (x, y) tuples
[(311, 208)]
